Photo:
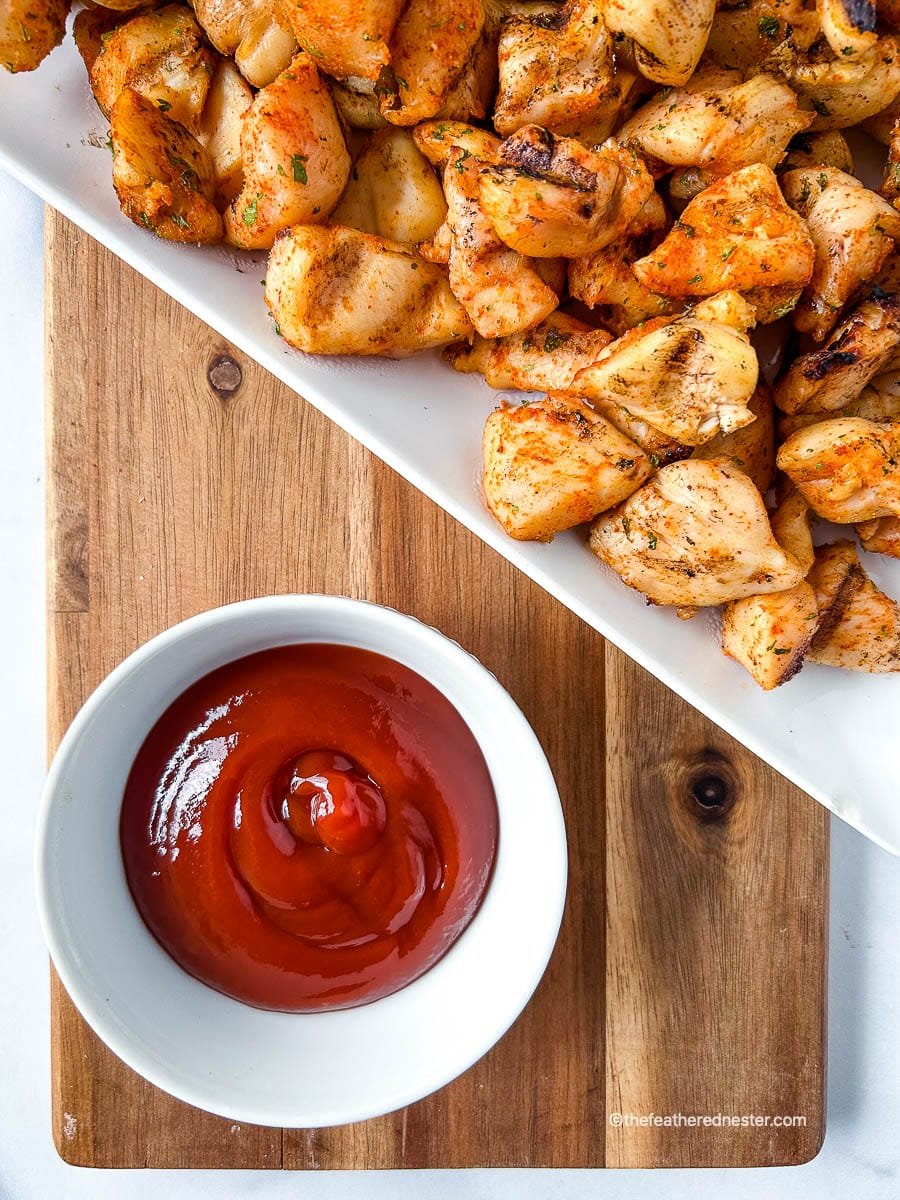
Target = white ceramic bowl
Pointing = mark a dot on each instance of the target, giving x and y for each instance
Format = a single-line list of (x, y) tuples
[(292, 1069)]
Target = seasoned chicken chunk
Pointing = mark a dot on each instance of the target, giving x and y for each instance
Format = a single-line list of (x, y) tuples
[(890, 185), (688, 377), (29, 30), (759, 35), (881, 536), (658, 446), (791, 527), (848, 25), (752, 447), (881, 125), (739, 234), (718, 130), (544, 359), (256, 33), (556, 70), (499, 288), (696, 534), (393, 191), (853, 231), (226, 22), (879, 401), (162, 175), (554, 464), (431, 47), (847, 90), (345, 40), (220, 126), (847, 468), (338, 291), (770, 635), (437, 140), (605, 280), (863, 345), (295, 160), (669, 35), (829, 149), (549, 196), (161, 56), (861, 627), (89, 28), (357, 105)]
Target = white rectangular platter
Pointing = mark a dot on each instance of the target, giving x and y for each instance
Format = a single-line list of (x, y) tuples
[(835, 734)]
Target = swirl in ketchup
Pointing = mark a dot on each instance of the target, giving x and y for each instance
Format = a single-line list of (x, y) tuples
[(310, 827)]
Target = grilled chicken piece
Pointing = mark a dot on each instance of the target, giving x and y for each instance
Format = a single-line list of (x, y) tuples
[(890, 185), (736, 234), (338, 291), (860, 626), (220, 126), (605, 280), (847, 468), (29, 30), (880, 401), (392, 191), (431, 48), (252, 32), (437, 139), (556, 70), (163, 177), (161, 56), (750, 448), (791, 527), (549, 196), (554, 464), (346, 41), (498, 287), (846, 90), (658, 446), (357, 105), (757, 35), (669, 35), (836, 575), (725, 308), (853, 231), (696, 534), (471, 97), (829, 149), (545, 359), (881, 536), (717, 130), (771, 635), (863, 345), (848, 25), (295, 162), (689, 378), (881, 125), (89, 28)]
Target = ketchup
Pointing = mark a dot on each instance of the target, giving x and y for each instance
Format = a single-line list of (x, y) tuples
[(310, 827)]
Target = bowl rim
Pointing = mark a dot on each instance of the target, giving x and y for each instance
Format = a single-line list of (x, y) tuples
[(116, 1036)]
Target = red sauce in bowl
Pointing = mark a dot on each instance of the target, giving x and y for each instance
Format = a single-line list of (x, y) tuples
[(310, 827)]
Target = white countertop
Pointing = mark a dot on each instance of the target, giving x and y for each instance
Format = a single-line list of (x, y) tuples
[(862, 1149)]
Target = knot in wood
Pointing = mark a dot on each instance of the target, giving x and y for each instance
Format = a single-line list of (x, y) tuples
[(711, 786), (225, 376)]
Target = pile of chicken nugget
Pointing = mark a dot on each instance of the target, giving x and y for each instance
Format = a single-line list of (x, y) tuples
[(595, 204)]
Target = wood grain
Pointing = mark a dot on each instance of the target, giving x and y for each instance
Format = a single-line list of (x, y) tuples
[(689, 974)]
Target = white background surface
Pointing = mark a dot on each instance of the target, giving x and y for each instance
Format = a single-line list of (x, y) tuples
[(862, 1146)]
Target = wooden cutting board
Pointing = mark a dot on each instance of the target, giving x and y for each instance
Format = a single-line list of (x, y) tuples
[(689, 977)]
